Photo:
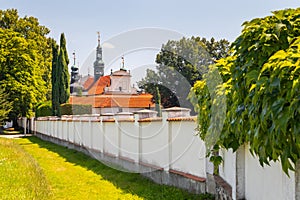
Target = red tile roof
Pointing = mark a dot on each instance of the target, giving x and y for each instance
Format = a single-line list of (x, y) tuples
[(88, 82), (99, 86), (108, 101)]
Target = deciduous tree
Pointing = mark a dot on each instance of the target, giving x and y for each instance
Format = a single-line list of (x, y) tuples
[(36, 35), (180, 64), (5, 105), (261, 84), (20, 73)]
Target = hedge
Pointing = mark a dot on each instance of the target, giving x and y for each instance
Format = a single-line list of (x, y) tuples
[(44, 109), (75, 109)]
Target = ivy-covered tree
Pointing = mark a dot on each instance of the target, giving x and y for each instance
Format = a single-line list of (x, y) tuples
[(60, 75), (180, 64), (261, 84)]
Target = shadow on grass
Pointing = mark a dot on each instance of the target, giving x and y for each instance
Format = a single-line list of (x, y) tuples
[(128, 182), (11, 131)]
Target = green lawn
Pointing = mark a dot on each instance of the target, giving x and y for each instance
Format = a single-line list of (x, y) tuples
[(34, 169), (20, 175)]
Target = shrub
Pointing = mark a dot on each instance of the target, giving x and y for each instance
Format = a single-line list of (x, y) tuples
[(44, 109), (75, 109)]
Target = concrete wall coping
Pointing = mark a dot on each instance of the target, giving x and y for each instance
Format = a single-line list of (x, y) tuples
[(182, 119), (155, 119), (187, 175)]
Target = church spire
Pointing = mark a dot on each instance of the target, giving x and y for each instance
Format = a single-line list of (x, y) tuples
[(74, 58), (98, 38), (74, 74), (123, 62), (98, 64)]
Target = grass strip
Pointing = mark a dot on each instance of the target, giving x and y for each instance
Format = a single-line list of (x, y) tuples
[(20, 175), (69, 174)]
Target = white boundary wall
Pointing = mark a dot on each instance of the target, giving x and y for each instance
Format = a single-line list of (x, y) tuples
[(172, 144), (268, 182)]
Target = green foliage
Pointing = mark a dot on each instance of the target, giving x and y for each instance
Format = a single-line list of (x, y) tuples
[(75, 109), (158, 102), (261, 84), (29, 28), (5, 105), (60, 75), (54, 79), (25, 57), (180, 64), (19, 73), (44, 109), (63, 73)]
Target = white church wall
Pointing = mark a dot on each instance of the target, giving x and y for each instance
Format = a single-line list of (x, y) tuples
[(59, 129), (129, 140), (86, 133), (97, 136), (64, 129), (111, 138), (154, 143), (227, 168), (71, 131), (77, 132), (188, 150), (268, 182)]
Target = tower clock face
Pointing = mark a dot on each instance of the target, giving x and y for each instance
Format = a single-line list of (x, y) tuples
[(98, 72)]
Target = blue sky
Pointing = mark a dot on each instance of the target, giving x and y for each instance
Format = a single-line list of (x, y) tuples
[(80, 20)]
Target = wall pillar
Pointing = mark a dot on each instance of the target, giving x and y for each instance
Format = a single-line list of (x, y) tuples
[(24, 122), (240, 173), (297, 181)]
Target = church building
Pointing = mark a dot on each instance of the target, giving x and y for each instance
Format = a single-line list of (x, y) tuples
[(111, 93)]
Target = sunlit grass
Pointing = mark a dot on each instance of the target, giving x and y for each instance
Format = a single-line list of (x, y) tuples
[(20, 175), (68, 174)]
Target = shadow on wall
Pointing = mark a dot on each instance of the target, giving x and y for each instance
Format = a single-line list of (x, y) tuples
[(134, 184)]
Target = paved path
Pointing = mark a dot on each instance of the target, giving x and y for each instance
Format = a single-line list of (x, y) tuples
[(15, 136)]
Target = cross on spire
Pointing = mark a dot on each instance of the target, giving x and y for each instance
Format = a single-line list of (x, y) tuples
[(98, 38), (123, 60), (74, 57)]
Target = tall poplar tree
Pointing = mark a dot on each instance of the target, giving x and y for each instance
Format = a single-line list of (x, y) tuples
[(63, 62), (55, 91), (60, 75)]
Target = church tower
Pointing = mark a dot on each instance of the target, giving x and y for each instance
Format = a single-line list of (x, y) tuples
[(74, 75), (98, 64)]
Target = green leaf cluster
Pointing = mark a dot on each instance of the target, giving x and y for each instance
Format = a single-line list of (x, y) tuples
[(180, 64), (43, 109), (25, 66), (261, 84), (5, 105)]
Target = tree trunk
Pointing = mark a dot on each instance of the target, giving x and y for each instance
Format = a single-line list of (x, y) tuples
[(15, 122)]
